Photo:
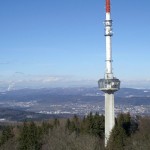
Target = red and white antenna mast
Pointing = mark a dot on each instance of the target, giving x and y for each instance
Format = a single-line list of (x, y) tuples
[(108, 35), (107, 6)]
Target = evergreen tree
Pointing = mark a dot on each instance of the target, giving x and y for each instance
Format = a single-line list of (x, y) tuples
[(120, 132), (67, 125), (56, 123), (117, 139), (7, 133), (30, 137), (98, 125), (24, 137), (46, 127), (89, 123)]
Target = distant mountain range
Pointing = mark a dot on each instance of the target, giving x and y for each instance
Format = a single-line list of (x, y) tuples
[(74, 91)]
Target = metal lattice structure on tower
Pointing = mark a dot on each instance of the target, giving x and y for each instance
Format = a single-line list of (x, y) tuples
[(109, 84)]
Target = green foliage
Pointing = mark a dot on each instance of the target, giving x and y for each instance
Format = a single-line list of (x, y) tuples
[(94, 125), (140, 140), (7, 133), (117, 139), (56, 123), (73, 125), (91, 124), (68, 124), (124, 121), (120, 133), (46, 127), (30, 137), (98, 125)]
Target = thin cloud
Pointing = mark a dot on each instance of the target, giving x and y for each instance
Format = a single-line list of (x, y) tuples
[(5, 63), (19, 73)]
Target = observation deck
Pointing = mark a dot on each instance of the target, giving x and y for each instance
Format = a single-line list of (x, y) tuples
[(109, 85)]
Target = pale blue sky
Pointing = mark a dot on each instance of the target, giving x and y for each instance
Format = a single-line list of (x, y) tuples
[(63, 41)]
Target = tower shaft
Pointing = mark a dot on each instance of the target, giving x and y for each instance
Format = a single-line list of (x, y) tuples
[(109, 115)]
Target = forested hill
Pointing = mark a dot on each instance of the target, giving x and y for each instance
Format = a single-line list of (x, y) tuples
[(76, 133)]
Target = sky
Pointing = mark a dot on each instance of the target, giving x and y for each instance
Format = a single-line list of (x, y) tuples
[(52, 43)]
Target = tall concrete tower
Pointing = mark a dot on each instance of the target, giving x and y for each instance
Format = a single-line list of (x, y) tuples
[(109, 84)]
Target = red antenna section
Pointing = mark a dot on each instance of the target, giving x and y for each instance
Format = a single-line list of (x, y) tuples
[(107, 6)]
